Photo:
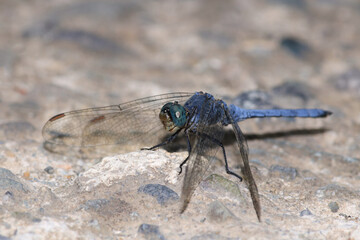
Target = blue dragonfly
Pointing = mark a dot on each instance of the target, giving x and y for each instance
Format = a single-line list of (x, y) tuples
[(199, 116)]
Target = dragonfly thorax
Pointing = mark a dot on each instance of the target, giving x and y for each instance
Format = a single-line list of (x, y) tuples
[(173, 116)]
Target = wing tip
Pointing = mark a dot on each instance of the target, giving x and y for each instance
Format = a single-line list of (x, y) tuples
[(258, 214), (184, 205)]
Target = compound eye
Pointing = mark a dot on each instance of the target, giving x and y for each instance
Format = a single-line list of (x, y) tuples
[(173, 116)]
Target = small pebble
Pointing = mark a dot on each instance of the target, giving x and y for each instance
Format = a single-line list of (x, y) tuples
[(162, 193), (49, 170), (294, 46), (150, 232), (8, 197), (334, 207), (93, 223), (9, 194)]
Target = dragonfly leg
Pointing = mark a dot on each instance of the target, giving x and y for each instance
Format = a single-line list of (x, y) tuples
[(169, 140), (189, 151), (228, 171)]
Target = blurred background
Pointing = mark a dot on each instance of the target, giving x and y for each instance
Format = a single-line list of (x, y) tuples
[(62, 55), (57, 56)]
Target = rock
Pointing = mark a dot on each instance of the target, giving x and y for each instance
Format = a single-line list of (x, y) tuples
[(150, 232), (5, 173), (115, 168), (49, 170), (10, 183), (162, 193), (295, 47)]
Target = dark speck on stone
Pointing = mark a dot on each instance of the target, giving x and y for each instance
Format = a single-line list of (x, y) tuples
[(150, 232), (9, 194), (305, 212), (8, 197), (334, 207), (287, 173), (162, 193), (295, 47), (49, 170), (41, 211)]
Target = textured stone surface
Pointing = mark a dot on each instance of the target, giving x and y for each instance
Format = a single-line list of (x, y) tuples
[(162, 193), (57, 56)]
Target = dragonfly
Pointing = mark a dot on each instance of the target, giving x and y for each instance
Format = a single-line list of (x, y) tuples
[(199, 116)]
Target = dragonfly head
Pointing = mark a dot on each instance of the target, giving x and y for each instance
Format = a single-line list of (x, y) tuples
[(173, 116)]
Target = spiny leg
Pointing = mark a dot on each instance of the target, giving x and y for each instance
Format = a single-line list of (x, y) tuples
[(189, 151), (169, 140), (186, 131), (228, 171)]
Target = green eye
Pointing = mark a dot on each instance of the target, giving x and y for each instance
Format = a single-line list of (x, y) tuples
[(173, 116)]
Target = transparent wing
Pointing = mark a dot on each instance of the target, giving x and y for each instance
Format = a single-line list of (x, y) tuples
[(244, 152), (135, 121), (203, 151)]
